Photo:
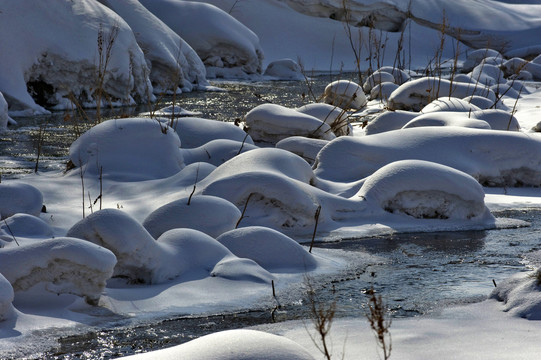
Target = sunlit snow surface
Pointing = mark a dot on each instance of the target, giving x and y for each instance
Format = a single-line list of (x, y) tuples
[(196, 218)]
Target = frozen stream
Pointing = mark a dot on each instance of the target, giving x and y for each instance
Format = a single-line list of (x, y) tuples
[(416, 273)]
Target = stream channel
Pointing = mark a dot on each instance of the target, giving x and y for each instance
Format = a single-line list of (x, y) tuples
[(416, 273)]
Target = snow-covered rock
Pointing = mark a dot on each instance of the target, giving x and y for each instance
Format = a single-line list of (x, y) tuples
[(334, 116), (24, 225), (208, 214), (475, 57), (226, 46), (232, 345), (54, 53), (376, 78), (6, 298), (216, 152), (66, 266), (173, 63), (195, 132), (306, 148), (383, 91), (269, 248), (449, 104), (152, 146), (425, 189), (345, 94), (177, 252), (488, 74), (399, 75), (389, 120), (19, 198), (271, 123), (446, 119), (416, 94), (284, 69), (483, 154), (4, 117)]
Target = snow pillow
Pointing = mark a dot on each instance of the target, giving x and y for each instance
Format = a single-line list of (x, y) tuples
[(19, 198)]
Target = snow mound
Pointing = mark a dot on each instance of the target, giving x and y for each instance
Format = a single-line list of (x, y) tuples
[(271, 249), (195, 132), (345, 94), (334, 116), (173, 63), (284, 69), (216, 152), (440, 118), (498, 119), (271, 123), (488, 74), (232, 345), (208, 214), (521, 295), (6, 298), (485, 155), (19, 198), (306, 148), (66, 265), (152, 146), (449, 104), (273, 185), (383, 91), (424, 189), (416, 94), (54, 55), (177, 252), (226, 46), (24, 225), (475, 57), (400, 76), (377, 78), (389, 120)]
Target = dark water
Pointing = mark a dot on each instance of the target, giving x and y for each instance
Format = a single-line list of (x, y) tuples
[(415, 274)]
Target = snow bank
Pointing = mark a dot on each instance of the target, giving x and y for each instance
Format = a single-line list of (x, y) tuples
[(232, 345), (345, 94), (271, 123), (19, 198), (521, 295), (54, 53), (208, 214), (173, 63), (494, 158), (153, 148), (66, 265), (416, 94), (424, 189), (196, 132), (226, 46), (269, 248), (178, 252)]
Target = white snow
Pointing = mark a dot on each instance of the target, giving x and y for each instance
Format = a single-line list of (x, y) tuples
[(226, 46), (233, 345), (195, 218), (19, 198), (65, 265), (55, 52)]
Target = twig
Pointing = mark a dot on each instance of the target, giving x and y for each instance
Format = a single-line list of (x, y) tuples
[(316, 216), (11, 232), (243, 210)]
